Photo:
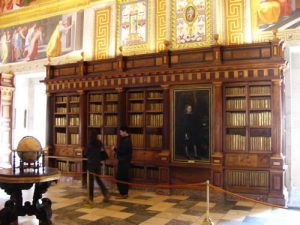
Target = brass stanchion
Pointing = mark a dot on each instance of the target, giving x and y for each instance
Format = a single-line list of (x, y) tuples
[(207, 220)]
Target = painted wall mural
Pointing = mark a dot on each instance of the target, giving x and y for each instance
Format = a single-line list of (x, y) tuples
[(49, 37), (133, 23), (191, 23), (280, 15), (8, 5)]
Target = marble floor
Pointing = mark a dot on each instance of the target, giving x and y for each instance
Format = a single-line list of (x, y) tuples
[(149, 208)]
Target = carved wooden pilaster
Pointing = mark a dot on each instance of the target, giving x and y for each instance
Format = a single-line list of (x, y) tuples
[(217, 155), (277, 166), (166, 97), (82, 122)]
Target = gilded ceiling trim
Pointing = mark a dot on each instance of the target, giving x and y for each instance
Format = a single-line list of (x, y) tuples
[(43, 9)]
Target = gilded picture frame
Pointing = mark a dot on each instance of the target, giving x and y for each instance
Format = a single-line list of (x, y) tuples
[(191, 123)]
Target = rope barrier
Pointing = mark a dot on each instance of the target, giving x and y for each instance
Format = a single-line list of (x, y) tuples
[(178, 186), (218, 189)]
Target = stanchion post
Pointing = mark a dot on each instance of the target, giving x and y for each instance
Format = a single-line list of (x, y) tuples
[(207, 220)]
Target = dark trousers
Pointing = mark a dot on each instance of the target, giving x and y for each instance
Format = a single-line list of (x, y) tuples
[(123, 175), (99, 182)]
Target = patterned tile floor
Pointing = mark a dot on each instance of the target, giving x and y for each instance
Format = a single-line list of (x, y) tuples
[(149, 208)]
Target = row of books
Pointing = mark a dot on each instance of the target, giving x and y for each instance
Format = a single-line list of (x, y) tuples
[(96, 98), (137, 172), (155, 120), (155, 107), (137, 140), (235, 142), (96, 108), (261, 144), (247, 178), (136, 95), (61, 110), (236, 104), (155, 94), (99, 97), (61, 138), (155, 140), (236, 119), (68, 167), (61, 99), (255, 119), (136, 106), (253, 90), (260, 90), (260, 103), (136, 120), (60, 121), (235, 91), (110, 139), (96, 120), (260, 119), (74, 98), (74, 121), (74, 139), (74, 109)]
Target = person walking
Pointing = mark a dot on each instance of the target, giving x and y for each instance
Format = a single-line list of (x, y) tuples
[(94, 157), (124, 154)]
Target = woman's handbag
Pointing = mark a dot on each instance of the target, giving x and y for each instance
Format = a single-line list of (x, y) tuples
[(103, 155)]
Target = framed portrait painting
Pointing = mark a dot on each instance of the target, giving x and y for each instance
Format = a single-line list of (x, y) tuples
[(191, 123)]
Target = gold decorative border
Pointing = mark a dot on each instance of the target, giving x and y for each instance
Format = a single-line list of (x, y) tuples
[(102, 33), (234, 14), (161, 24), (208, 24), (134, 49), (42, 9)]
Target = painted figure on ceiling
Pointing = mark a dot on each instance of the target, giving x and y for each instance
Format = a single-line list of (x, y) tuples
[(54, 46), (270, 11), (34, 44), (7, 5)]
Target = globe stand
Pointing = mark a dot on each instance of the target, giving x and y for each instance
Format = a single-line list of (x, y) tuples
[(36, 164)]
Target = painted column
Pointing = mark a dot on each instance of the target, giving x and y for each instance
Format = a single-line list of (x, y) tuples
[(6, 92)]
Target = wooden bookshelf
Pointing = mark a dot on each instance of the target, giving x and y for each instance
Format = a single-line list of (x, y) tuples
[(103, 116), (145, 118), (245, 130), (248, 135)]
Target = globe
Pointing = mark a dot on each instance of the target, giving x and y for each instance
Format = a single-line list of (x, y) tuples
[(29, 149)]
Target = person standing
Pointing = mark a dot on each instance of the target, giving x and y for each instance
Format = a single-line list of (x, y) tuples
[(124, 156), (94, 158), (190, 132)]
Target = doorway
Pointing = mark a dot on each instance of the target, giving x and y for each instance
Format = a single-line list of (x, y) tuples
[(292, 131), (29, 108)]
